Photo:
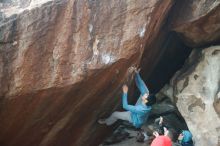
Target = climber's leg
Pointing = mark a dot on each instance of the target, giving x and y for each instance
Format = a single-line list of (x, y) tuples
[(126, 116)]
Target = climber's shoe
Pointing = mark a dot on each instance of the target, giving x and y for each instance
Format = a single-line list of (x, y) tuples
[(101, 121)]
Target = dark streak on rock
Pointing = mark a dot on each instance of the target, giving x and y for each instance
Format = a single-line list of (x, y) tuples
[(215, 52), (196, 76), (185, 84), (198, 102)]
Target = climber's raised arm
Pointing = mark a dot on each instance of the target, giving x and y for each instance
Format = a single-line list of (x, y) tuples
[(125, 104), (140, 83)]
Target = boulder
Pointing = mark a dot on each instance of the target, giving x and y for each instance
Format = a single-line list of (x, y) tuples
[(195, 89), (62, 64), (197, 22)]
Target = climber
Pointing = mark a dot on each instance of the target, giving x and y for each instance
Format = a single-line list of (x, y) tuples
[(162, 140), (185, 138), (136, 114)]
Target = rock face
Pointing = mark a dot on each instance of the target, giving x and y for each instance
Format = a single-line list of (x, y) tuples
[(195, 88), (62, 64), (197, 21)]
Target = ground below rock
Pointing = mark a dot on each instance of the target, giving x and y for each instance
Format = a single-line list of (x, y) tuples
[(125, 134)]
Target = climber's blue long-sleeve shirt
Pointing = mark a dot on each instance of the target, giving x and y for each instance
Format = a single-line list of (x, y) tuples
[(139, 112)]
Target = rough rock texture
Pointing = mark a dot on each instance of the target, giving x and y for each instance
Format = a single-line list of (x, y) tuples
[(197, 21), (62, 64), (195, 88)]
